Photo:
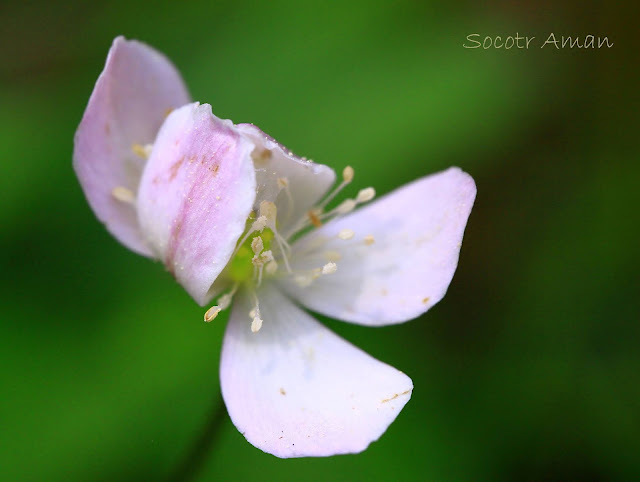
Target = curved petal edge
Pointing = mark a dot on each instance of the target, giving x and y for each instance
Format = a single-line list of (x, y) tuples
[(129, 102), (295, 389), (402, 258)]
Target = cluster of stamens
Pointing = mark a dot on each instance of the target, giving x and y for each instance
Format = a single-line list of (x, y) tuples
[(263, 230)]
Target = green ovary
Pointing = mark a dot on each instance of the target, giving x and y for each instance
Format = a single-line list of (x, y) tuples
[(240, 268)]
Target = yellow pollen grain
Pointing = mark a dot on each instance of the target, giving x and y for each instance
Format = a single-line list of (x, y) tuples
[(314, 218), (346, 234), (123, 194), (139, 150)]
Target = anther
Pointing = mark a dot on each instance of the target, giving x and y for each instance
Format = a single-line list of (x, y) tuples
[(123, 194), (369, 239), (211, 313), (257, 245), (259, 224), (366, 194), (346, 206), (347, 177), (347, 174), (269, 210), (256, 324), (142, 151), (314, 217), (329, 268), (346, 234)]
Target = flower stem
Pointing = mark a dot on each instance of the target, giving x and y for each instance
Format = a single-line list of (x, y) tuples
[(196, 457)]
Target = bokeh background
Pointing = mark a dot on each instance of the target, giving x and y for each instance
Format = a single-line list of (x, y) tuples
[(527, 370)]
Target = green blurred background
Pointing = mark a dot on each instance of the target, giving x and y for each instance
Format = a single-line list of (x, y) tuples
[(527, 370)]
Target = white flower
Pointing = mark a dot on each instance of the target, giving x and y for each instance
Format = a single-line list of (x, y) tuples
[(235, 216)]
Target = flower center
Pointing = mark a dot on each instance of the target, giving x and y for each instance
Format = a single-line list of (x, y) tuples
[(242, 266), (263, 251)]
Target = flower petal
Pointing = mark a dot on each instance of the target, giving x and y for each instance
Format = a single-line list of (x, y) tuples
[(306, 181), (195, 196), (296, 389), (404, 268), (130, 100)]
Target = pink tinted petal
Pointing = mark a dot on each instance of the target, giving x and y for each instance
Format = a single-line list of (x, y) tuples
[(307, 181), (130, 100), (195, 195), (418, 234), (295, 389)]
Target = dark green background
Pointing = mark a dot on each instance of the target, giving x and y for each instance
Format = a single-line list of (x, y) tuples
[(527, 370)]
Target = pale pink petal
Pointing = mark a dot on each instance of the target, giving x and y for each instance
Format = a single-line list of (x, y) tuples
[(406, 264), (306, 181), (195, 196), (130, 100), (295, 389)]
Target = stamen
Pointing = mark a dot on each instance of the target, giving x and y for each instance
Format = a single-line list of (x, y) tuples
[(257, 245), (256, 324), (369, 239), (259, 260), (142, 151), (346, 234), (211, 313), (123, 194), (329, 268), (347, 177), (346, 206), (259, 224), (347, 174), (269, 210), (314, 217), (366, 194)]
